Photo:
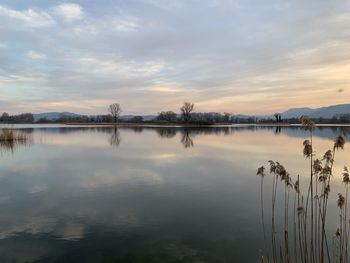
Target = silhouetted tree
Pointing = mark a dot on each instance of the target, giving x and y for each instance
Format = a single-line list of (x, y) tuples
[(21, 118), (278, 117), (43, 120), (186, 110), (251, 119), (136, 119), (24, 118), (5, 117), (167, 116), (115, 110), (344, 118), (227, 116)]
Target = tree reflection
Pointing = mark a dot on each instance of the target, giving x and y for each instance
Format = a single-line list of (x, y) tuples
[(137, 129), (187, 138), (115, 138), (166, 132), (187, 134), (278, 130)]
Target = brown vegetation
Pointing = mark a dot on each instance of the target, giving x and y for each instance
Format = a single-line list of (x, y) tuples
[(10, 138), (305, 239)]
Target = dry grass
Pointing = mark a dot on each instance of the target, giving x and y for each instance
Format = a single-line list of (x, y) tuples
[(304, 233), (10, 139)]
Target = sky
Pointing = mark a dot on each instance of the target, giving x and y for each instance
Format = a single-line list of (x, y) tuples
[(251, 56)]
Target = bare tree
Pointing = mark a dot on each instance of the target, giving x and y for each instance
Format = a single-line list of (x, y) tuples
[(186, 110), (115, 111)]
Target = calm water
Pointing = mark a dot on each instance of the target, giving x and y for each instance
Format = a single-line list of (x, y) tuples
[(97, 194)]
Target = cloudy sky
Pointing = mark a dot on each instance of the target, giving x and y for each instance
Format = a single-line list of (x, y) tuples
[(248, 56)]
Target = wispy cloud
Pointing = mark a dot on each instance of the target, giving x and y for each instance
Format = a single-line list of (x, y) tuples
[(69, 11), (166, 89), (36, 55), (125, 24), (29, 18)]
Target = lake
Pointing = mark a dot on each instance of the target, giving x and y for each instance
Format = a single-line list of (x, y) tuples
[(146, 194)]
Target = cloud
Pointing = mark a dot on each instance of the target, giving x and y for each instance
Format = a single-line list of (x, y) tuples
[(222, 55), (125, 24), (69, 11), (29, 18), (166, 5), (36, 55), (166, 89), (108, 66), (225, 3)]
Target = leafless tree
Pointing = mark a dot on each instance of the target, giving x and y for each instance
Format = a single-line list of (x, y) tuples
[(186, 110), (115, 110)]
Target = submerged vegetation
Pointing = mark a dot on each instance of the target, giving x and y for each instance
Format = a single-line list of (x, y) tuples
[(304, 235), (11, 138)]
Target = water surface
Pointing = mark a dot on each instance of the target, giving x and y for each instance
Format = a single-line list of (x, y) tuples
[(101, 194)]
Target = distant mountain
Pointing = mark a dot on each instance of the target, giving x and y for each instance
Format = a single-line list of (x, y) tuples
[(324, 112), (296, 113), (329, 112), (53, 115), (149, 117)]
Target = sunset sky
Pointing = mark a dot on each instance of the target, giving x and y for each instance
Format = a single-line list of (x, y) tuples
[(252, 56)]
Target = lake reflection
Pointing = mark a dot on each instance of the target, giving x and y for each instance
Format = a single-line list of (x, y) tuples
[(105, 194)]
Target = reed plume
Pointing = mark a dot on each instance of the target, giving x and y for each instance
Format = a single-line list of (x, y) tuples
[(310, 241)]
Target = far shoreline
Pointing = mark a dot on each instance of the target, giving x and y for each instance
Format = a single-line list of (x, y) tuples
[(173, 125), (202, 125)]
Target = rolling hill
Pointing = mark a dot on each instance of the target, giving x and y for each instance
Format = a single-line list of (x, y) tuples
[(324, 112)]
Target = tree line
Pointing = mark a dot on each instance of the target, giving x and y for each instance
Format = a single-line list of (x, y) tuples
[(20, 118), (186, 115)]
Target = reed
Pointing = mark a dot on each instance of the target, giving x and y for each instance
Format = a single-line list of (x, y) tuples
[(10, 139), (303, 236)]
